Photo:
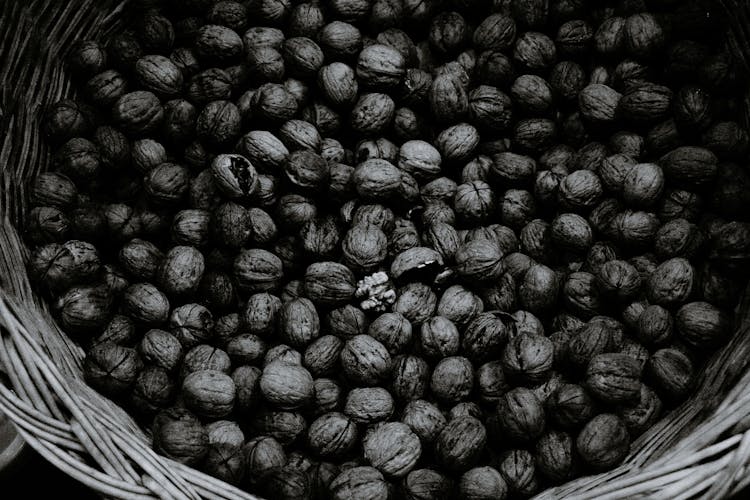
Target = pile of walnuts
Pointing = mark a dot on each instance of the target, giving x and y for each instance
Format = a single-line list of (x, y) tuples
[(371, 249)]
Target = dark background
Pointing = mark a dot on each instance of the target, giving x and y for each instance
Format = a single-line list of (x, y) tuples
[(33, 477)]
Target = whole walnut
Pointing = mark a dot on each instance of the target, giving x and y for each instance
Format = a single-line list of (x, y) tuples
[(643, 185), (535, 51), (380, 66), (479, 260), (459, 305), (613, 378), (671, 283), (346, 322), (466, 409), (703, 325), (179, 435), (181, 270), (138, 112), (424, 419), (362, 482), (393, 330), (329, 283), (146, 304), (426, 483), (580, 190), (518, 468), (443, 238), (532, 94), (460, 444), (338, 84), (159, 74), (474, 202), (368, 405), (521, 415), (79, 159), (598, 103), (410, 377), (327, 397), (261, 313), (599, 335), (482, 483), (603, 442), (332, 435), (111, 369), (286, 483), (645, 102), (192, 324), (299, 322), (580, 294), (153, 390), (245, 348), (452, 379), (416, 302), (365, 360), (257, 270), (284, 426), (57, 267), (678, 238), (528, 358), (640, 415), (84, 309), (655, 326), (262, 455), (439, 338), (538, 290), (448, 32), (209, 393), (613, 171), (67, 119), (321, 356), (286, 385), (496, 31), (161, 348), (282, 352), (643, 35), (618, 279), (491, 382), (635, 229), (457, 143), (490, 108), (526, 323), (570, 406), (364, 247), (378, 180), (392, 448), (273, 102), (485, 335), (571, 232), (205, 357)]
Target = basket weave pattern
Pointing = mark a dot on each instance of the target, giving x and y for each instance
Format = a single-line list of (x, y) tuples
[(701, 449)]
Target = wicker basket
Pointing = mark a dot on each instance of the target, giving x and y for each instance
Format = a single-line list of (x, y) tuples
[(701, 449)]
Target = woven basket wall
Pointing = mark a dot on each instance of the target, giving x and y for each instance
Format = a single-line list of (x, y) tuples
[(701, 449)]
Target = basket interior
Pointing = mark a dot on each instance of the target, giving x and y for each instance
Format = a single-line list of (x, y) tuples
[(705, 435)]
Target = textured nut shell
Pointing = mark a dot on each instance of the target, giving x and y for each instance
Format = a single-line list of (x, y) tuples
[(460, 443), (209, 393), (603, 442), (286, 385), (613, 377), (392, 448)]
